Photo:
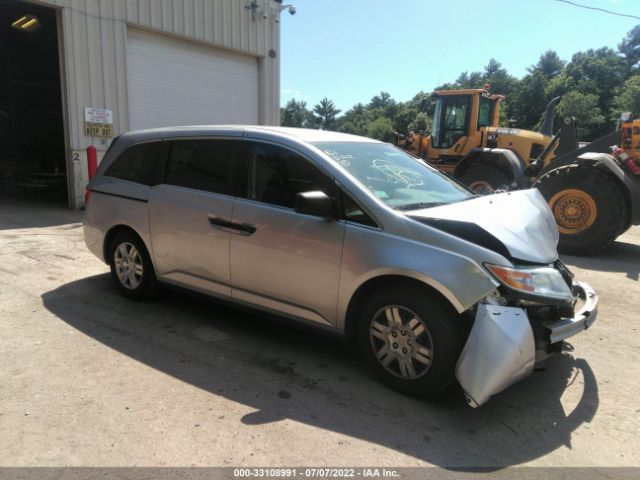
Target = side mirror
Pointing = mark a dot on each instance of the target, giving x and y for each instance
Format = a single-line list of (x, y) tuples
[(315, 203)]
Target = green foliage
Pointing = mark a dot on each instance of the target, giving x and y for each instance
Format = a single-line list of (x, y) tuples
[(529, 100), (355, 120), (381, 129), (294, 114), (628, 100), (324, 115), (420, 124), (406, 115), (596, 85), (629, 48), (496, 76), (549, 65), (584, 107)]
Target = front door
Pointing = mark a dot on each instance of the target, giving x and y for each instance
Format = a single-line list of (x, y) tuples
[(282, 260)]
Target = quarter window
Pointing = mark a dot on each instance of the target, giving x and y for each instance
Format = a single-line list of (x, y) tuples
[(143, 163), (353, 212), (277, 175), (202, 165)]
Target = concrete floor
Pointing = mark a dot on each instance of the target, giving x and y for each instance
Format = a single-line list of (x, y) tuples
[(88, 378)]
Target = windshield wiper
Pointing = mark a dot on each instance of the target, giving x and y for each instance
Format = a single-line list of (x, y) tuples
[(470, 197), (415, 206)]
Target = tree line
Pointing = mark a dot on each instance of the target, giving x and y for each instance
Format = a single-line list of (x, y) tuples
[(596, 86)]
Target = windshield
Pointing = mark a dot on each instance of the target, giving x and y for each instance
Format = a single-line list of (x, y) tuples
[(435, 127), (395, 177)]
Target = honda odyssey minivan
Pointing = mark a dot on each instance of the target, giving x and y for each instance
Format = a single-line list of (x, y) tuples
[(431, 282)]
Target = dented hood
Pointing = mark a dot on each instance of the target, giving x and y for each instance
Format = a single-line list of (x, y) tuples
[(518, 225)]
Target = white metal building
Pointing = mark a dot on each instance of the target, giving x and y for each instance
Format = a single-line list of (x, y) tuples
[(101, 67)]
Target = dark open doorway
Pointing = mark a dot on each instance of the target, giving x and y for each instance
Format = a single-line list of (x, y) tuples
[(32, 147)]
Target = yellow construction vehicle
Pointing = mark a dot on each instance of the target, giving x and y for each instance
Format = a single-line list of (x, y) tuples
[(631, 138), (594, 195)]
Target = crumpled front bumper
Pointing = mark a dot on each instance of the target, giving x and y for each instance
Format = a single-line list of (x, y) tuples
[(583, 319), (501, 348)]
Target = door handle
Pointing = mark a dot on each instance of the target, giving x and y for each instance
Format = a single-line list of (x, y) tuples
[(233, 227), (219, 222), (242, 228)]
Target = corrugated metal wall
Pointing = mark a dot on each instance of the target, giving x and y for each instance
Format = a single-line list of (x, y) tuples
[(93, 53)]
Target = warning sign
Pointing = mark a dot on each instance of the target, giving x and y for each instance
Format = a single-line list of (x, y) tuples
[(98, 122)]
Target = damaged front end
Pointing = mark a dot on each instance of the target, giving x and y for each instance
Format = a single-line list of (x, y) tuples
[(514, 329), (537, 303)]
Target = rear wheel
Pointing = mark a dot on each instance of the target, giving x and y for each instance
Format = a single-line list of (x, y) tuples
[(410, 339), (588, 205), (484, 179), (131, 267)]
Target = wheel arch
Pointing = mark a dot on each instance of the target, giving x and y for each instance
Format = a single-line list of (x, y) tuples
[(111, 234), (505, 160), (361, 293)]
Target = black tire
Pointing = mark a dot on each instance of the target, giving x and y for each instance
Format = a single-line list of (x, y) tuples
[(591, 230), (447, 332), (146, 285), (484, 179)]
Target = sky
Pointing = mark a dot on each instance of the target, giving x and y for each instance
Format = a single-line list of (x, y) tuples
[(351, 50)]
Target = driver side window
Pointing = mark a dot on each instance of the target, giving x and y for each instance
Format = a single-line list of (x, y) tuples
[(277, 175)]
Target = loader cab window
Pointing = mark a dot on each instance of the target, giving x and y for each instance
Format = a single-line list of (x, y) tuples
[(485, 112), (450, 120)]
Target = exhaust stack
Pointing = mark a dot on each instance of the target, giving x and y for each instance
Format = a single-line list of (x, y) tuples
[(549, 115)]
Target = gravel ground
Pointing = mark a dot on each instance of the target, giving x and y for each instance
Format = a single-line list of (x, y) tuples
[(88, 378)]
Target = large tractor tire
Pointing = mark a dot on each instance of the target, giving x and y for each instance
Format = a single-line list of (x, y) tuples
[(588, 205), (484, 179)]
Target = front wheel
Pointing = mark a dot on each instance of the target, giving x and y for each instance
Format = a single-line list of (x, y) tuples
[(588, 205), (410, 339)]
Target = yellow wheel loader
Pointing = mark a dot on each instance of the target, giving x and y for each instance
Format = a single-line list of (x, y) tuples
[(594, 195)]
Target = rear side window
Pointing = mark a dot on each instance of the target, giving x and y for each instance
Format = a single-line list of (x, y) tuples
[(277, 175), (203, 165), (143, 163)]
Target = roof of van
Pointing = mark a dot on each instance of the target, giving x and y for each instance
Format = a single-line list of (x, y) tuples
[(302, 134)]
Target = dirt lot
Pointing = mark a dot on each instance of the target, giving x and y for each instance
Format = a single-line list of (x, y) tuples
[(90, 379)]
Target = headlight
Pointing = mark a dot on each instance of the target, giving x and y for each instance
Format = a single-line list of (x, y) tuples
[(539, 281)]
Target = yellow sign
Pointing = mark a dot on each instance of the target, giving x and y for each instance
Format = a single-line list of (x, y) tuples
[(94, 129)]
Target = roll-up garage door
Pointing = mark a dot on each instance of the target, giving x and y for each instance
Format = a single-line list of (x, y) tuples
[(176, 82)]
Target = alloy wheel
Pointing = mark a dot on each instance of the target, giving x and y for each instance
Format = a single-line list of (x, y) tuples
[(128, 263), (401, 342)]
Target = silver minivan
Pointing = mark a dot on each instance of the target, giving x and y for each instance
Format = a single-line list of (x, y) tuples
[(348, 234)]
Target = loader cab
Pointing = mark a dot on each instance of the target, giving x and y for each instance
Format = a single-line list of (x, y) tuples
[(458, 122)]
